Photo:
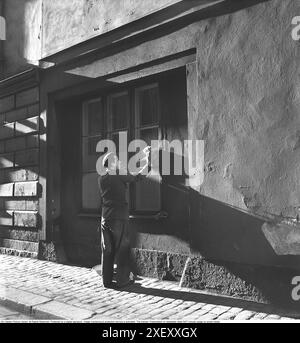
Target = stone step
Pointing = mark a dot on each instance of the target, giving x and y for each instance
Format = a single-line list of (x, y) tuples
[(18, 234), (20, 253), (19, 245)]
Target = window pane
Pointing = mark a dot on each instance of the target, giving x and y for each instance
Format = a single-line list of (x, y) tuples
[(147, 196), (148, 106), (90, 156), (93, 118), (119, 111), (90, 191), (149, 134), (116, 140)]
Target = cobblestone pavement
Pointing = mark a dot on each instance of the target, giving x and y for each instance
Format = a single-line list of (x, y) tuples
[(66, 292)]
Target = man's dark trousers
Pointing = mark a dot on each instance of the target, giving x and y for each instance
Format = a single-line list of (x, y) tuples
[(115, 242)]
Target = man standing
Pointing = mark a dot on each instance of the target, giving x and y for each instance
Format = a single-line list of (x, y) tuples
[(115, 236)]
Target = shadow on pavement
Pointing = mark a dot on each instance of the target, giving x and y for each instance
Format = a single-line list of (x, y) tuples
[(218, 300)]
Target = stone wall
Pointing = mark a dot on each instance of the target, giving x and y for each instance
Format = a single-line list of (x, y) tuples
[(19, 172), (249, 282)]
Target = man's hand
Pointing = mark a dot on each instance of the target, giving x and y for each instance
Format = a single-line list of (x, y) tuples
[(147, 150), (145, 160)]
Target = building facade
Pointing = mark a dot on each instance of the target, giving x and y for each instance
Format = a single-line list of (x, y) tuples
[(225, 72)]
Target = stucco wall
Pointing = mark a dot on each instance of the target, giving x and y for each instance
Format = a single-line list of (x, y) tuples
[(249, 115), (23, 42), (249, 109), (88, 18)]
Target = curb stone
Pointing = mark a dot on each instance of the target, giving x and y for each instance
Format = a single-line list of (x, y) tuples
[(40, 307)]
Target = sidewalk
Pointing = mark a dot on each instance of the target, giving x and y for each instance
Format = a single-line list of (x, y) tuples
[(48, 290)]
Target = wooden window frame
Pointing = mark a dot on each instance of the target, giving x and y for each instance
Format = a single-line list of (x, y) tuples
[(132, 130), (137, 129), (84, 122)]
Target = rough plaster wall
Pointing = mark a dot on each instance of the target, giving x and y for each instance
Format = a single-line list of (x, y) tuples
[(249, 106), (23, 44), (89, 18)]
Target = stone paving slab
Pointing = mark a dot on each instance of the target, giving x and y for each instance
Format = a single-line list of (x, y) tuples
[(61, 311), (7, 312), (8, 315), (19, 299), (48, 290)]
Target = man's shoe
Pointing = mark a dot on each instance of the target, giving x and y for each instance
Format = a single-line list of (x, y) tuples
[(109, 285)]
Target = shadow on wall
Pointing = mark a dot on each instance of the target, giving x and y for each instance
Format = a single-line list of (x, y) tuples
[(233, 251), (220, 231), (231, 254), (243, 235)]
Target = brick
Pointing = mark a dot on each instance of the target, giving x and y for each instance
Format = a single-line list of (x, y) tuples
[(7, 103), (6, 161), (32, 141), (19, 253), (7, 131), (27, 97), (14, 205), (12, 175), (2, 147), (25, 219), (32, 174), (3, 176), (6, 190), (26, 158), (20, 143), (31, 205), (6, 219), (33, 110), (2, 119), (26, 189), (15, 144), (18, 175), (62, 310), (26, 126), (15, 115), (19, 234), (19, 245)]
